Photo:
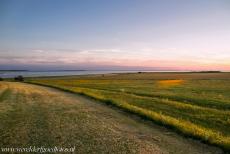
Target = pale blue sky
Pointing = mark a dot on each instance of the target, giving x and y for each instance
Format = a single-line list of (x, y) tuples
[(75, 34)]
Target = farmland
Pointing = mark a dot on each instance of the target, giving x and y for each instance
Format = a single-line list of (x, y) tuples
[(193, 104), (38, 116)]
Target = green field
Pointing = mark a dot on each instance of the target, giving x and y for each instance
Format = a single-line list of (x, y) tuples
[(45, 117), (193, 104)]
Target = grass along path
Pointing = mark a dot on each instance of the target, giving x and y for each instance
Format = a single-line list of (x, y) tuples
[(194, 104), (32, 115)]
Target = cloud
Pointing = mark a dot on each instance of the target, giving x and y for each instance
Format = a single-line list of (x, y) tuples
[(145, 57), (38, 50)]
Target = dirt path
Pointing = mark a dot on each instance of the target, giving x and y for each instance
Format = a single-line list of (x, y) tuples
[(32, 115)]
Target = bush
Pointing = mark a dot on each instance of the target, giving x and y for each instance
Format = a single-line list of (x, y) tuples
[(1, 79), (19, 78)]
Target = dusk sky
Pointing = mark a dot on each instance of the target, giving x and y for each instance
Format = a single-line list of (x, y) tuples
[(115, 34)]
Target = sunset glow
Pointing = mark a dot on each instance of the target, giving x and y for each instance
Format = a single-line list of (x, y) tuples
[(150, 35)]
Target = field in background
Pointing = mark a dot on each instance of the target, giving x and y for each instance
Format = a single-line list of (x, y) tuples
[(195, 104)]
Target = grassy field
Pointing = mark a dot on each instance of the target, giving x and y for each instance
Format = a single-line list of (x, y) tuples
[(38, 116), (194, 104)]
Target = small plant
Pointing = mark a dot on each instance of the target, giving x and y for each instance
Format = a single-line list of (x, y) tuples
[(19, 78)]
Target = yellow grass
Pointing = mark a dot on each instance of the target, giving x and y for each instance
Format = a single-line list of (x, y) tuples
[(170, 83)]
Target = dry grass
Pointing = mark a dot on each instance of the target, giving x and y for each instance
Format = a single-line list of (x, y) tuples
[(39, 116), (170, 83)]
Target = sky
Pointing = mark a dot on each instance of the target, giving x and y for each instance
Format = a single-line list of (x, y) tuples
[(115, 34)]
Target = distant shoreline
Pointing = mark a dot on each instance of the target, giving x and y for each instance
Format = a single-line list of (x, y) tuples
[(14, 70), (38, 70), (113, 70)]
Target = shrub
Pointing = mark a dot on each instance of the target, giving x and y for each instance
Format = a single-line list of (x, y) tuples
[(1, 79), (19, 78)]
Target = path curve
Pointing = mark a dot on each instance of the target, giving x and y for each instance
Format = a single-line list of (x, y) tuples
[(33, 115)]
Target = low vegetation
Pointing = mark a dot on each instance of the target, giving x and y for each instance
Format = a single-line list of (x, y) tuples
[(19, 78), (36, 116), (193, 104), (28, 119)]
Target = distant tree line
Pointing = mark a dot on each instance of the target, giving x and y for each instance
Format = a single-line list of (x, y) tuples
[(17, 78)]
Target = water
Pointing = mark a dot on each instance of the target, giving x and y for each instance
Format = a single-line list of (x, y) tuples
[(11, 74)]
